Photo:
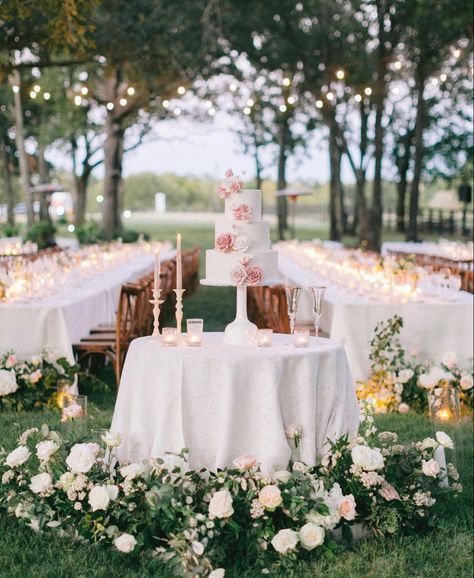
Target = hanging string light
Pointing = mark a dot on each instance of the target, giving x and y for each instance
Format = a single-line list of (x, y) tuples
[(232, 87), (443, 77), (368, 91), (166, 104), (340, 74), (84, 91), (130, 91), (177, 111), (286, 82), (250, 102), (181, 90), (319, 104), (291, 100), (110, 106), (32, 94), (15, 88), (282, 107), (357, 97), (330, 96), (46, 95), (247, 110), (123, 102), (211, 112), (36, 87)]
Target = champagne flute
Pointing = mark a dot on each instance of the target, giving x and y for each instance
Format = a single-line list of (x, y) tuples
[(317, 293), (292, 296)]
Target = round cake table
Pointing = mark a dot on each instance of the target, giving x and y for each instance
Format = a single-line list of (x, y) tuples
[(223, 401)]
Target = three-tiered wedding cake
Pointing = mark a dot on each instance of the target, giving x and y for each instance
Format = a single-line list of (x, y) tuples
[(241, 254)]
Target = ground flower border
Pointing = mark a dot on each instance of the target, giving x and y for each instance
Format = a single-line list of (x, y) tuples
[(199, 522)]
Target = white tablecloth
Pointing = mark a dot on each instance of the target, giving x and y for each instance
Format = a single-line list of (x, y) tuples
[(430, 328), (222, 401), (67, 316)]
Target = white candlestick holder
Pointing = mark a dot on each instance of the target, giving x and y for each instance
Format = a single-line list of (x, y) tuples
[(179, 310), (156, 302)]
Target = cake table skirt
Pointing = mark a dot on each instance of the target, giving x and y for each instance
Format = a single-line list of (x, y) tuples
[(222, 401)]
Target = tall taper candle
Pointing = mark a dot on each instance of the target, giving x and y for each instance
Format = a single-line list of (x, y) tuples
[(156, 279), (179, 268)]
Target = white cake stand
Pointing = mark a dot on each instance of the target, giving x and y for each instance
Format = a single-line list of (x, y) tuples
[(241, 331)]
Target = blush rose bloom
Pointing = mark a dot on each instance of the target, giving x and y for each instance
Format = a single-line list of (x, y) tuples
[(81, 458), (368, 459), (125, 543), (238, 275), (347, 507), (245, 462), (44, 450), (10, 362), (270, 497), (18, 457), (430, 468), (242, 213), (389, 493), (443, 439), (311, 536), (35, 376), (224, 242), (285, 541), (254, 275), (450, 359), (466, 381), (41, 483), (403, 408), (405, 375), (220, 505)]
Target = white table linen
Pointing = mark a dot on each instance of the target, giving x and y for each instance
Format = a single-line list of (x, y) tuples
[(430, 328), (65, 317), (222, 401)]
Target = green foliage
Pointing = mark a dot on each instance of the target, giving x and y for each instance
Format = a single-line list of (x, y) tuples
[(386, 351), (42, 233), (7, 230), (129, 236), (89, 233)]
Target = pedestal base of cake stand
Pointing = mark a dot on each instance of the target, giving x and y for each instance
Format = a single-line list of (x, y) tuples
[(241, 331)]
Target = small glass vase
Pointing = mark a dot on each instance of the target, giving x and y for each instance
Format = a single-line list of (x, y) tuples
[(74, 415)]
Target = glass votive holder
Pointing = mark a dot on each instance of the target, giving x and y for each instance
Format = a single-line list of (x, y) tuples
[(301, 337), (265, 337), (194, 329), (74, 408), (63, 391), (169, 336)]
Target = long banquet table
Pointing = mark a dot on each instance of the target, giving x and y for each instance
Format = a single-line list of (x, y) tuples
[(430, 328), (222, 401), (61, 319)]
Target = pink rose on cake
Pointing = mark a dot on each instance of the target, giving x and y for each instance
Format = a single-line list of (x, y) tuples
[(224, 242), (254, 275), (238, 275), (230, 185), (242, 213)]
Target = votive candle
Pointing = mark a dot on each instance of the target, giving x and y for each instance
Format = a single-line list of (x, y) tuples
[(194, 329), (301, 337), (170, 336), (265, 337)]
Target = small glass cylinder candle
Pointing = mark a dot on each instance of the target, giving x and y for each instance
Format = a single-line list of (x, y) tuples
[(170, 336), (74, 408), (63, 391), (444, 406), (194, 330), (301, 337), (265, 337)]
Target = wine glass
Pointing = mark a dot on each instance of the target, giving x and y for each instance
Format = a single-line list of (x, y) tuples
[(317, 293), (292, 296)]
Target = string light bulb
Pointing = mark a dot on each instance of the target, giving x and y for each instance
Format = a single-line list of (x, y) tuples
[(368, 91), (291, 100), (250, 102), (247, 110), (457, 53), (443, 77), (286, 82), (319, 104), (177, 111), (166, 104), (357, 97), (397, 65), (340, 74), (36, 87), (330, 96), (46, 95), (130, 91), (211, 112), (32, 94), (123, 102), (181, 90), (282, 107), (110, 106), (232, 87), (84, 91), (77, 100), (16, 88)]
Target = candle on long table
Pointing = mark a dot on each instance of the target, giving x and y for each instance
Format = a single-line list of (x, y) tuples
[(179, 269), (156, 280)]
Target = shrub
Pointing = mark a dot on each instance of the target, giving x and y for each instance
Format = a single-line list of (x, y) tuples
[(42, 233), (89, 233)]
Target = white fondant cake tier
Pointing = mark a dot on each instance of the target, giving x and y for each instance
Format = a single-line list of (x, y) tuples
[(250, 197), (219, 265), (257, 233)]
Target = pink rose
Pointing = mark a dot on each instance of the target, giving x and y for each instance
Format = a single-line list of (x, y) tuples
[(347, 507), (254, 276), (229, 173), (245, 462), (224, 193), (10, 362), (72, 411), (388, 492), (430, 468), (242, 213), (270, 497), (403, 408), (244, 261), (35, 376), (224, 242), (238, 275), (235, 186)]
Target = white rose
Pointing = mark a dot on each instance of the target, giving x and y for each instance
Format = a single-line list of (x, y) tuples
[(285, 541), (270, 497), (218, 573), (443, 439), (398, 388), (430, 468), (220, 505), (466, 381), (112, 440), (282, 476), (44, 450), (367, 458), (438, 374), (41, 483), (132, 471), (450, 359), (311, 536), (99, 498), (66, 480), (428, 443), (8, 382), (36, 359), (198, 548), (405, 375), (125, 543), (18, 457), (81, 458), (426, 381)]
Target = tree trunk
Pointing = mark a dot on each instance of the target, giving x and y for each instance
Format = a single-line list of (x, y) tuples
[(362, 213), (113, 152), (43, 176), (20, 146), (412, 233), (7, 184), (282, 202), (334, 185)]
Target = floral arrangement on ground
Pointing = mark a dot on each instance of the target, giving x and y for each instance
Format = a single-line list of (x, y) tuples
[(198, 522), (32, 384), (397, 383)]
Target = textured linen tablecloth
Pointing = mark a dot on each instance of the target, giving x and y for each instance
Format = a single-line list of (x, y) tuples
[(67, 316), (430, 328), (221, 401)]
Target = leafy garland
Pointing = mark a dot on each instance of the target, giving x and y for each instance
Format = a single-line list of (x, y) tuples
[(200, 522), (398, 384)]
